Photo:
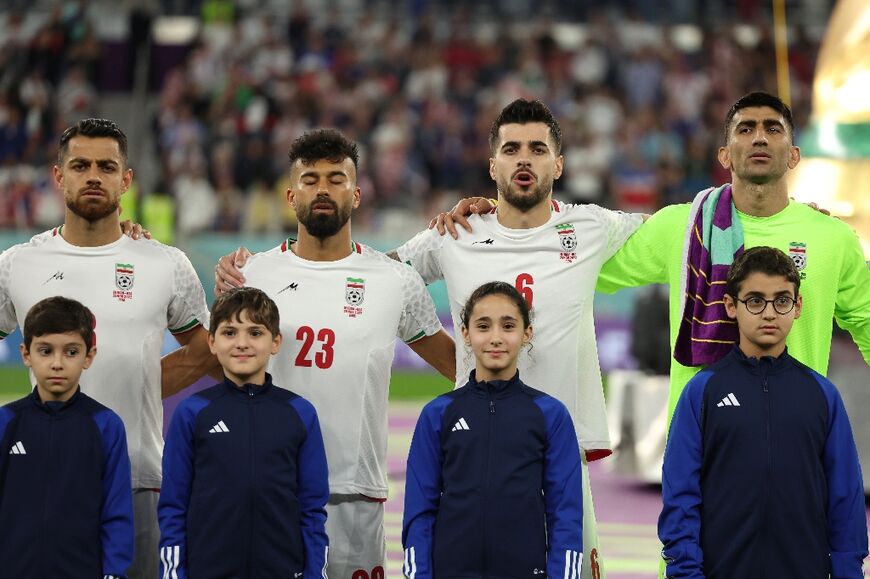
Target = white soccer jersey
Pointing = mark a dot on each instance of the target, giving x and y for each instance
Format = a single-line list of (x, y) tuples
[(136, 289), (555, 266), (340, 320)]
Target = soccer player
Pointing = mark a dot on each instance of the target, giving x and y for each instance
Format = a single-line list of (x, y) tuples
[(136, 290), (759, 151), (761, 475), (66, 506), (342, 305), (551, 252), (244, 455)]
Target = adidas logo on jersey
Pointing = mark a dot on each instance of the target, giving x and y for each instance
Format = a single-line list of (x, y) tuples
[(18, 448), (219, 427), (730, 400), (460, 425)]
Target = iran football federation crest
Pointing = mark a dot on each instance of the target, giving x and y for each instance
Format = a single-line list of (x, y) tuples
[(798, 254), (124, 277), (568, 240), (354, 295)]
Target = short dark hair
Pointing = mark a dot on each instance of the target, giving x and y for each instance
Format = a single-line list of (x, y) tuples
[(763, 259), (523, 112), (759, 99), (59, 315), (93, 128), (497, 288), (260, 308), (327, 144)]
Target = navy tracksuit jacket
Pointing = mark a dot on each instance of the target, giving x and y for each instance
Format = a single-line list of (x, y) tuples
[(66, 504), (493, 486), (761, 476), (245, 486)]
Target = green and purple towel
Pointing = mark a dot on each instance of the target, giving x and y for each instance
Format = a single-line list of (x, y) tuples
[(714, 237)]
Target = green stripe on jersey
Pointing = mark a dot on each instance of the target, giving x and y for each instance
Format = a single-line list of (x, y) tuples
[(193, 323), (417, 337)]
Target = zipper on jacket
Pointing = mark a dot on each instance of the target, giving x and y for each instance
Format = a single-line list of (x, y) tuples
[(47, 476), (253, 474), (767, 433), (486, 484)]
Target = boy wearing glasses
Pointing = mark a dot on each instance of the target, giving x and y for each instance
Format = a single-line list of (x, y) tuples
[(761, 475)]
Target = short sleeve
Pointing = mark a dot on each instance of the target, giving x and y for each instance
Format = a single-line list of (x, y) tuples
[(419, 317), (618, 226), (187, 307), (8, 317), (423, 253)]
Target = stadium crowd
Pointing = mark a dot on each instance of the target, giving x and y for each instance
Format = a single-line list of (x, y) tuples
[(639, 99)]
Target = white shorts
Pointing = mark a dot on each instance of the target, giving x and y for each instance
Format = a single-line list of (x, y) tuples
[(357, 547)]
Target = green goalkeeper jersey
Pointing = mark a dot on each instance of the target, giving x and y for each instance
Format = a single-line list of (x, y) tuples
[(835, 279)]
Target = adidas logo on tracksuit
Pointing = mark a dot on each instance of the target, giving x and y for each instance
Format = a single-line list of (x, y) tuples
[(17, 448), (460, 425), (219, 427), (730, 400)]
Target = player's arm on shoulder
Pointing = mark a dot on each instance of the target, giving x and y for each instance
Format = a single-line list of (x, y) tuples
[(423, 253), (439, 351), (187, 364), (228, 271), (643, 258)]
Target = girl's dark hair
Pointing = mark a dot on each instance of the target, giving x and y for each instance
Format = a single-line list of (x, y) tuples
[(762, 259), (260, 307), (58, 315), (497, 288)]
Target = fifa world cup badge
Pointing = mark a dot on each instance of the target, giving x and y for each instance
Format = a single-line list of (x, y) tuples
[(124, 277)]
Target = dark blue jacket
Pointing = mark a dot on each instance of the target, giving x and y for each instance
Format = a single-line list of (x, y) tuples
[(761, 476), (493, 486), (66, 504), (245, 486)]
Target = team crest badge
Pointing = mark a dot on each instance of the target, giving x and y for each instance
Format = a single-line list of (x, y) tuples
[(354, 295), (798, 254), (568, 240), (124, 277)]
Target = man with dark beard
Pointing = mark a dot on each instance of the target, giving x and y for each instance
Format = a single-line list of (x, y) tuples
[(552, 253), (137, 289), (342, 305)]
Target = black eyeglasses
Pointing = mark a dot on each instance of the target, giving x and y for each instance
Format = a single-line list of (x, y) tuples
[(756, 305)]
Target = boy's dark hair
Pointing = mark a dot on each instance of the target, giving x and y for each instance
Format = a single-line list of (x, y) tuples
[(523, 112), (497, 288), (759, 99), (326, 144), (59, 315), (93, 128), (260, 308), (763, 259)]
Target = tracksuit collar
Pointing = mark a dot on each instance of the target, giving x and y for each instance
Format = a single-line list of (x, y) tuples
[(55, 406), (249, 389), (494, 386), (766, 363)]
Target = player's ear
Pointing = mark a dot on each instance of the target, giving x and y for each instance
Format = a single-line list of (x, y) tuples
[(25, 354), (492, 168), (89, 357), (357, 196), (210, 339), (560, 163), (730, 306), (798, 306), (724, 156), (291, 197), (276, 343)]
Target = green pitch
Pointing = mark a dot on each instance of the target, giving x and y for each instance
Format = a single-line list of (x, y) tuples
[(14, 384)]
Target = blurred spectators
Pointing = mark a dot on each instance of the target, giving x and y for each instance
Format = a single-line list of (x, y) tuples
[(640, 101)]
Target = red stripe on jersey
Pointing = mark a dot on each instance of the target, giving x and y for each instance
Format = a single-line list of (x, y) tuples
[(284, 246), (493, 210), (555, 205), (357, 247)]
